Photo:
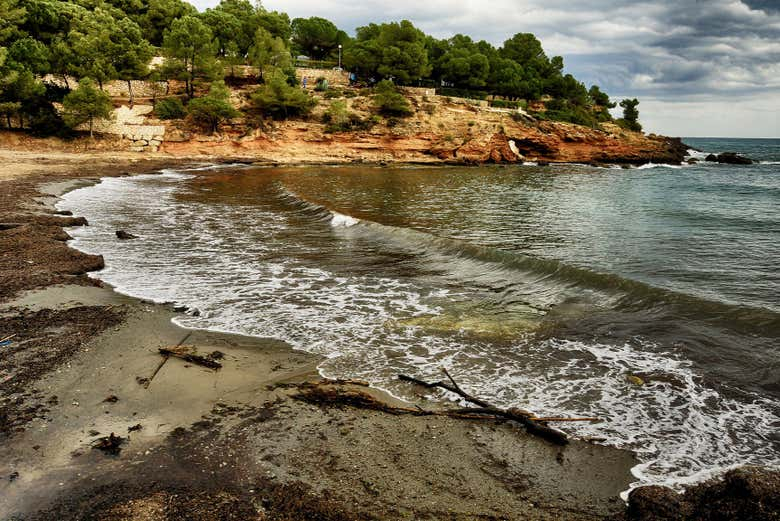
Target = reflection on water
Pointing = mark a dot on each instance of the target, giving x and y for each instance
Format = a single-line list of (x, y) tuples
[(548, 288)]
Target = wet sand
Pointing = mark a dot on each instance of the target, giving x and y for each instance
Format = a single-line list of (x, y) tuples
[(234, 443)]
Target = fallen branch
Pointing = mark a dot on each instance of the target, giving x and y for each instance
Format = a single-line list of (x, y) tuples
[(148, 381), (532, 425), (189, 357)]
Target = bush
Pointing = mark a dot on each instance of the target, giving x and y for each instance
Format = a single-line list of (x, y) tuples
[(506, 104), (334, 93), (338, 119), (462, 93), (389, 101), (170, 108), (279, 100), (213, 108), (629, 125), (321, 85)]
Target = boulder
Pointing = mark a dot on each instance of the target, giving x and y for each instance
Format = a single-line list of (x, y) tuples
[(712, 158), (692, 161), (746, 494), (732, 158), (124, 236)]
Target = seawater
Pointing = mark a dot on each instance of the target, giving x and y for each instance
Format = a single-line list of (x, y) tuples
[(548, 288)]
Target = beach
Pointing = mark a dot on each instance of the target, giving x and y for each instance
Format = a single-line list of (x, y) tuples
[(219, 443)]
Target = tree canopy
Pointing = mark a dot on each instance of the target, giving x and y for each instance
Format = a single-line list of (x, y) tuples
[(108, 40)]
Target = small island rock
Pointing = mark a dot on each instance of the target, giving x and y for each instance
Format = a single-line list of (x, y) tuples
[(124, 236)]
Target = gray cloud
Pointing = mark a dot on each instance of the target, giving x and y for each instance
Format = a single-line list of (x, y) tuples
[(684, 53)]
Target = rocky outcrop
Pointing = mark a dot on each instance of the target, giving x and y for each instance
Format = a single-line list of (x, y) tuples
[(746, 494), (731, 158)]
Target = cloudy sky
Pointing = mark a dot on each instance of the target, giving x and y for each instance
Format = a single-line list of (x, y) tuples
[(698, 67)]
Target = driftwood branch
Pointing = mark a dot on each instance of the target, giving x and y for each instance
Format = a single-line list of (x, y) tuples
[(533, 425), (189, 357)]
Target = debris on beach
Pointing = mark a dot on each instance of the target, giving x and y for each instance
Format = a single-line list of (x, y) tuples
[(136, 427), (332, 393), (111, 444), (111, 399), (183, 353)]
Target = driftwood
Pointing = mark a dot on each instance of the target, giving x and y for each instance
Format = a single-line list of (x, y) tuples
[(336, 393), (189, 357), (534, 425)]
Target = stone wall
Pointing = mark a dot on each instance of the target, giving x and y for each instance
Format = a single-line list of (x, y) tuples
[(335, 78), (130, 123), (118, 88)]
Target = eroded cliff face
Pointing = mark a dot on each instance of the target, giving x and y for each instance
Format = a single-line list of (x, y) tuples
[(440, 131)]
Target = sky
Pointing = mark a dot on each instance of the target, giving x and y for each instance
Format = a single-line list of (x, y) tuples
[(698, 67)]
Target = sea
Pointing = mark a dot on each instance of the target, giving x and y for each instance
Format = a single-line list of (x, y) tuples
[(648, 296)]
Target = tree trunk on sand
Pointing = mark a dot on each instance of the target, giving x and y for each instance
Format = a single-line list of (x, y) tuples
[(90, 129)]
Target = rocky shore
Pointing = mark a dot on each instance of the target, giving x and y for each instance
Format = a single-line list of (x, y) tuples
[(97, 425)]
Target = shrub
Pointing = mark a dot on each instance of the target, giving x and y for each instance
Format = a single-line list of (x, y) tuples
[(170, 108), (334, 93), (338, 119), (389, 101), (462, 93), (629, 125), (213, 108), (506, 104), (321, 85), (279, 100)]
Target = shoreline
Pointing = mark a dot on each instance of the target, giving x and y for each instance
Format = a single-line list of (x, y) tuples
[(232, 438)]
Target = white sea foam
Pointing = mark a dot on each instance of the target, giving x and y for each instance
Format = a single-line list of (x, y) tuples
[(367, 325), (340, 220), (658, 165)]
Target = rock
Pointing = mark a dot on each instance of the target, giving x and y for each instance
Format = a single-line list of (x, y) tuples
[(732, 158), (136, 149), (712, 158), (746, 493), (654, 503), (543, 163), (692, 161), (155, 142), (124, 236)]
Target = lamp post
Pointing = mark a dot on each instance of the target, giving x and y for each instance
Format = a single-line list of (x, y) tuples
[(339, 56)]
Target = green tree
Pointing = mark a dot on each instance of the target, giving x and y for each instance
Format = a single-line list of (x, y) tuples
[(12, 15), (30, 54), (159, 16), (630, 118), (600, 98), (316, 37), (189, 48), (525, 49), (389, 102), (84, 104), (269, 52), (225, 28), (279, 100), (394, 51), (213, 108), (131, 54)]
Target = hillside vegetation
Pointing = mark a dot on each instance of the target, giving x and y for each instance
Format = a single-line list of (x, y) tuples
[(46, 44)]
